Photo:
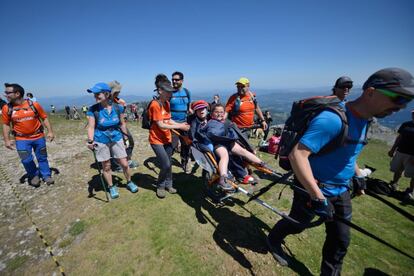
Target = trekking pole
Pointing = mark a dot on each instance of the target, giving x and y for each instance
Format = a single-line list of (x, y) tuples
[(358, 228), (100, 175), (264, 204)]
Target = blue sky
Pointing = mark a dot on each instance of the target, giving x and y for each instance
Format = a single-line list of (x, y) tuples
[(60, 48)]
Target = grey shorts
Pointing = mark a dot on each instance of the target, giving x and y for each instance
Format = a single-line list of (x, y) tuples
[(105, 151), (403, 162)]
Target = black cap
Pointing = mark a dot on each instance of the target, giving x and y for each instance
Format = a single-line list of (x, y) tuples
[(394, 79), (344, 80)]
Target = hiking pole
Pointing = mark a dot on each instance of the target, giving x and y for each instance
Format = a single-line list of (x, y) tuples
[(100, 175), (358, 228), (282, 179), (264, 204)]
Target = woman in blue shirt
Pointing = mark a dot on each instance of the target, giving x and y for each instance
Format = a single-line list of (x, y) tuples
[(106, 132)]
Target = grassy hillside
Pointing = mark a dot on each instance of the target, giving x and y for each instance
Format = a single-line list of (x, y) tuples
[(183, 234)]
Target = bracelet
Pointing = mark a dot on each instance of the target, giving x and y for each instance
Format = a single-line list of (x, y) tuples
[(90, 142)]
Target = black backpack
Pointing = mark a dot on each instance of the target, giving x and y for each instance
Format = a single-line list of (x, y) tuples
[(302, 113), (146, 121)]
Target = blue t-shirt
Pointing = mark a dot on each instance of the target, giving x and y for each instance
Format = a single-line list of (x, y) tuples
[(179, 105), (338, 166), (106, 127)]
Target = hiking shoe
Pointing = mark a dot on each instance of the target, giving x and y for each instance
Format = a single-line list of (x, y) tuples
[(161, 192), (224, 185), (35, 181), (171, 190), (132, 187), (277, 253), (132, 164), (409, 195), (49, 180), (113, 191)]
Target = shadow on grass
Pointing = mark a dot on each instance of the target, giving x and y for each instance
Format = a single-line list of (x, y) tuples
[(152, 164), (369, 271), (232, 231), (23, 178)]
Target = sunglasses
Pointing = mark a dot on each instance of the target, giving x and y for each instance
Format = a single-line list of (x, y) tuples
[(7, 93), (344, 86), (176, 79), (396, 98)]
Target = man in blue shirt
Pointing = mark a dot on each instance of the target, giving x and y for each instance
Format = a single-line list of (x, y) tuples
[(180, 108), (327, 177)]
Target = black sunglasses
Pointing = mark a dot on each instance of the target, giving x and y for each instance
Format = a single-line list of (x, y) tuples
[(176, 79), (344, 86), (7, 93)]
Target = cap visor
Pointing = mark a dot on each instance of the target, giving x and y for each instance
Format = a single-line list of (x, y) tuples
[(404, 91)]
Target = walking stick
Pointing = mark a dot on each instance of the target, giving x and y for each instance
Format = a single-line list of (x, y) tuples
[(100, 175)]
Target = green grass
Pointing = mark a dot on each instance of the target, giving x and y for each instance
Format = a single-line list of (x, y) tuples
[(77, 228), (16, 262), (185, 234)]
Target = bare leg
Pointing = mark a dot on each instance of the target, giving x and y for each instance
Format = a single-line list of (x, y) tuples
[(240, 151), (107, 172), (124, 164), (224, 160)]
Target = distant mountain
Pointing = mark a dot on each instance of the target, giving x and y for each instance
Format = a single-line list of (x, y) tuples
[(277, 101)]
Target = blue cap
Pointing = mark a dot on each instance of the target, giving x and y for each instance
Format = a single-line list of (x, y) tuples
[(99, 87)]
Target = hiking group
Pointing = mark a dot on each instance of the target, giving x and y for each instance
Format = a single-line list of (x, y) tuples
[(320, 143)]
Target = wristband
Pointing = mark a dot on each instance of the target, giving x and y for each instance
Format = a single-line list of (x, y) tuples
[(90, 142)]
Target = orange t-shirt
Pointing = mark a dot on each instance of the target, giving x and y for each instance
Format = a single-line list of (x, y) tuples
[(156, 112), (24, 120), (245, 117)]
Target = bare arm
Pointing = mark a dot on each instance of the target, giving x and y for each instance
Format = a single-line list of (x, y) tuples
[(299, 159), (173, 125), (91, 128), (7, 142), (261, 117), (48, 126)]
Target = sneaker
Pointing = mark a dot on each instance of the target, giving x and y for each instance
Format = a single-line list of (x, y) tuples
[(35, 181), (113, 191), (133, 164), (171, 190), (409, 194), (161, 192), (132, 187), (277, 253), (224, 185), (49, 180)]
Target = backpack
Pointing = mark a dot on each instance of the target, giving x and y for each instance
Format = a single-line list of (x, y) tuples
[(302, 113), (237, 103), (146, 121)]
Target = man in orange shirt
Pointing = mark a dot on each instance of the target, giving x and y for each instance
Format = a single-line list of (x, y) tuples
[(23, 117), (240, 109)]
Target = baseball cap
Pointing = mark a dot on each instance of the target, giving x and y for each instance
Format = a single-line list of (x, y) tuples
[(166, 86), (99, 87), (243, 81), (199, 105), (342, 81), (396, 80)]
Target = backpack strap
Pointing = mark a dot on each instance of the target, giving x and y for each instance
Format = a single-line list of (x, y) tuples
[(342, 137)]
